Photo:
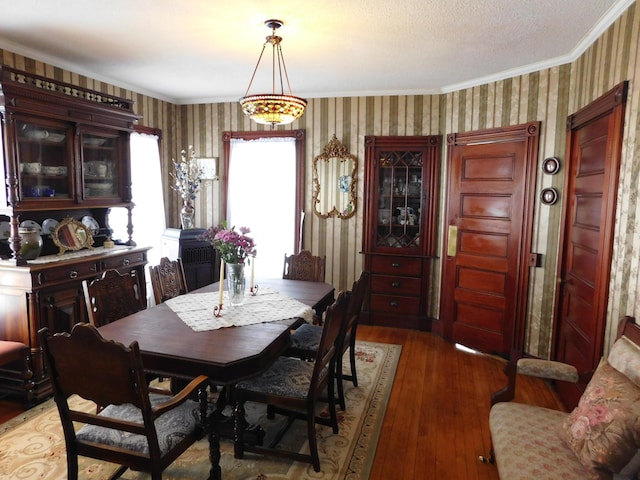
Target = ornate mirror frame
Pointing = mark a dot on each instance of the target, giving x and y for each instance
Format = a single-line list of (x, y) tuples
[(334, 181), (70, 234)]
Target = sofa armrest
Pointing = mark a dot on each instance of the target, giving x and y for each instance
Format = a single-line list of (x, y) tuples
[(521, 363), (548, 369)]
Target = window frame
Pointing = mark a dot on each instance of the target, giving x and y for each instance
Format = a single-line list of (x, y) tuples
[(299, 136)]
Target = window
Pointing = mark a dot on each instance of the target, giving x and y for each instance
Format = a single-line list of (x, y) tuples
[(264, 184), (148, 215)]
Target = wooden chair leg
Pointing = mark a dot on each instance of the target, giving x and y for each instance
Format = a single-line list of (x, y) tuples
[(339, 382), (352, 361), (313, 441)]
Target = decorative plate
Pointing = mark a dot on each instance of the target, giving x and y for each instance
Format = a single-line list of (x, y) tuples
[(94, 142), (49, 225), (549, 196), (32, 224), (551, 165), (5, 230), (91, 224)]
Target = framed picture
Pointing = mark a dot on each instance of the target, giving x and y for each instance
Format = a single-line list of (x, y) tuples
[(209, 167)]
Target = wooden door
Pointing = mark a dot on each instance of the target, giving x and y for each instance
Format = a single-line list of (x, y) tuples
[(488, 237), (594, 139)]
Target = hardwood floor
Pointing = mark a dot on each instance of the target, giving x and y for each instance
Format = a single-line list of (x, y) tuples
[(437, 420), (436, 423)]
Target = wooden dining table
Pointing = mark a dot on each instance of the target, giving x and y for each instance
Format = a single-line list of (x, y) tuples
[(170, 348)]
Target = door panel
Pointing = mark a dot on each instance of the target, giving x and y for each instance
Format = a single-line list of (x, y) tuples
[(593, 158), (488, 209)]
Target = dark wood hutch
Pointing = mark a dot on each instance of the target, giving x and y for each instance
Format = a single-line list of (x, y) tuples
[(65, 155), (400, 225)]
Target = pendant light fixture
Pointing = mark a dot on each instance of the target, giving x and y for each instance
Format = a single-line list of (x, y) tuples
[(273, 108)]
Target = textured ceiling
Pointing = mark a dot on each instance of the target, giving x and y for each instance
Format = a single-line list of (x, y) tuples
[(196, 51)]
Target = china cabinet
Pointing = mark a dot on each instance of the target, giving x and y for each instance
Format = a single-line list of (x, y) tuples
[(65, 161), (399, 235), (65, 148)]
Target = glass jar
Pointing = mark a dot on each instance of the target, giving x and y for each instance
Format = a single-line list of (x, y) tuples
[(30, 243)]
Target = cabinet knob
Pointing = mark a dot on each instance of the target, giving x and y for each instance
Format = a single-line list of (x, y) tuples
[(73, 274), (395, 265), (125, 261), (395, 284), (393, 304)]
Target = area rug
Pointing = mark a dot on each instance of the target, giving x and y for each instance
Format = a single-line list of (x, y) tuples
[(32, 444)]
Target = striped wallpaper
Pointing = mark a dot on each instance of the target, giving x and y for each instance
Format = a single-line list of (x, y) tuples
[(548, 95)]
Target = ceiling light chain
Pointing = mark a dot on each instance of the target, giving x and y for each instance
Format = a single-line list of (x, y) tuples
[(273, 109)]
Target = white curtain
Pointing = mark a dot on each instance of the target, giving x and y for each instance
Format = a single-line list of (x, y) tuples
[(148, 216), (261, 196)]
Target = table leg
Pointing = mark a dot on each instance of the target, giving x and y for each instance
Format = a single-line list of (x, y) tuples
[(214, 450)]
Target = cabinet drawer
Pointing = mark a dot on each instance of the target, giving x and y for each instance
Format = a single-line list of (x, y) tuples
[(397, 265), (395, 285), (123, 261), (395, 304), (66, 273)]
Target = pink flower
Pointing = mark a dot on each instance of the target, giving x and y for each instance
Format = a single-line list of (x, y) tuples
[(234, 247)]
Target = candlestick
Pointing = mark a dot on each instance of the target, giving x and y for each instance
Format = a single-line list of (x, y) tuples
[(221, 281), (253, 266)]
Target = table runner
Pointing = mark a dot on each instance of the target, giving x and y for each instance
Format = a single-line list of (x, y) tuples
[(196, 309)]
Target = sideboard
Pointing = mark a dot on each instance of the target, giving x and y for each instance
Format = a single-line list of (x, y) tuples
[(47, 292)]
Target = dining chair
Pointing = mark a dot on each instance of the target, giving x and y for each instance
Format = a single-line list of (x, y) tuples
[(140, 428), (304, 266), (306, 338), (168, 279), (292, 387), (113, 296)]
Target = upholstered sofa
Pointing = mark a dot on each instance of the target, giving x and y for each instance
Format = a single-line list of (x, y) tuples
[(599, 439)]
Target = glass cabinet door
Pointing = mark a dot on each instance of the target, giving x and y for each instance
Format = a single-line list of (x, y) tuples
[(44, 157), (100, 165), (399, 199)]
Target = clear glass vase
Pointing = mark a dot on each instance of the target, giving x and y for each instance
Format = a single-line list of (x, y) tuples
[(187, 215), (235, 283)]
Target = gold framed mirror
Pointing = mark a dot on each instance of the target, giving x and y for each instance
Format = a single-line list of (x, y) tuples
[(334, 181), (70, 234)]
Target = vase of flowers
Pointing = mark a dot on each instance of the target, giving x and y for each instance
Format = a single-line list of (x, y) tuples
[(235, 249), (235, 283), (188, 177)]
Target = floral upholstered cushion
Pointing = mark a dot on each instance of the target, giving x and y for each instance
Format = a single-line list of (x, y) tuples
[(604, 429), (306, 337), (527, 446), (287, 377), (171, 427), (625, 357)]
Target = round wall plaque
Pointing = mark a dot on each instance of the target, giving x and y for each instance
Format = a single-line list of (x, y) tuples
[(549, 196), (551, 165)]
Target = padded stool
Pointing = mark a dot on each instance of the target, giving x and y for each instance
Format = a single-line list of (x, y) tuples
[(15, 373)]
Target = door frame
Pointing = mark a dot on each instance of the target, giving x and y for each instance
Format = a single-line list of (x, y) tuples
[(529, 133)]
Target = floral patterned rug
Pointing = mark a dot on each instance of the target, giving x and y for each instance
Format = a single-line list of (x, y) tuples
[(32, 444)]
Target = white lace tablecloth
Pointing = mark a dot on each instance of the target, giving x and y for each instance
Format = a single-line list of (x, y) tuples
[(196, 309)]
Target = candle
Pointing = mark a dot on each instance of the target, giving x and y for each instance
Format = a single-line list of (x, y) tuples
[(221, 281), (253, 265)]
